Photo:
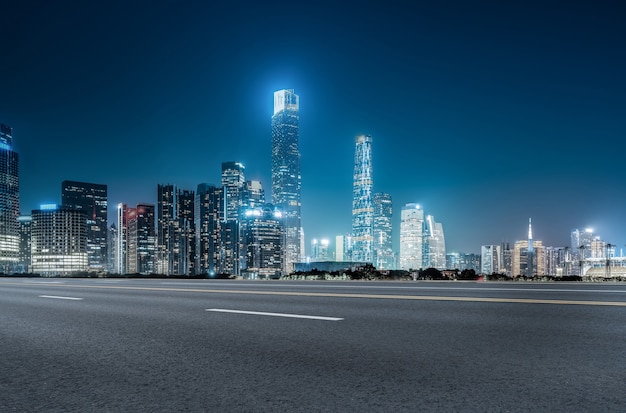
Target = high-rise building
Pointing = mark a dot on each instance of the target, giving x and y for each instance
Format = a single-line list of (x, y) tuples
[(24, 261), (9, 202), (122, 240), (210, 213), (91, 198), (411, 237), (58, 241), (319, 249), (490, 259), (263, 238), (384, 258), (175, 230), (526, 261), (286, 178), (141, 240), (234, 183), (112, 249), (434, 249), (340, 248), (253, 194), (362, 202)]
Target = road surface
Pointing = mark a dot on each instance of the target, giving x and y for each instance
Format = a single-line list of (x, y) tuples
[(107, 345)]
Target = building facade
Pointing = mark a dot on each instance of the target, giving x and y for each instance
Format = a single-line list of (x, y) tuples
[(263, 238), (286, 175), (91, 198), (411, 237), (9, 202), (384, 257), (434, 249), (362, 202), (58, 241)]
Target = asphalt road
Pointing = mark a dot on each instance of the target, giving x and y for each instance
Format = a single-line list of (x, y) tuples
[(235, 346)]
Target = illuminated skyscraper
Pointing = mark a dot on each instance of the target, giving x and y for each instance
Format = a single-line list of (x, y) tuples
[(286, 178), (58, 241), (24, 263), (234, 183), (362, 202), (175, 230), (411, 237), (263, 237), (384, 258), (91, 198), (210, 218), (434, 244), (141, 240), (9, 202)]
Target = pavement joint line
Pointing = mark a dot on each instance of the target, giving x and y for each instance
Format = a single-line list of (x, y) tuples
[(344, 295), (60, 298), (310, 317)]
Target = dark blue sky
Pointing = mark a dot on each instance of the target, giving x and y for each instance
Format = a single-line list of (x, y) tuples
[(486, 113)]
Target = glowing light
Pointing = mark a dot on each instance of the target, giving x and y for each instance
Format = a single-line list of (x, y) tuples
[(48, 207)]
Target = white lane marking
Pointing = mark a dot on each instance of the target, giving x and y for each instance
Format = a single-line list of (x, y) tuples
[(310, 317), (494, 289), (44, 282), (59, 298)]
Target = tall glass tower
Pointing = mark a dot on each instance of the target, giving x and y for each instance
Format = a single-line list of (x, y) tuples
[(362, 202), (9, 202), (91, 198), (411, 237), (383, 249), (286, 178)]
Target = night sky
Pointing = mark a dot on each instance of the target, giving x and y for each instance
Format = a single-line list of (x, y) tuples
[(485, 113)]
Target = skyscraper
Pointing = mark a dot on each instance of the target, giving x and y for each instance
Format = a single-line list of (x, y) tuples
[(384, 258), (141, 240), (91, 198), (362, 202), (58, 240), (286, 178), (9, 202), (434, 244), (175, 230), (234, 183), (209, 216), (411, 237), (263, 236)]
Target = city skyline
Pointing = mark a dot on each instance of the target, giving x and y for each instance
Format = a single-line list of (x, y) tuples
[(483, 130)]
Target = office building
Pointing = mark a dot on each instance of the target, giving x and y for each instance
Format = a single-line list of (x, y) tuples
[(9, 202), (319, 250), (263, 238), (411, 237), (384, 257), (362, 202), (434, 249), (24, 260), (175, 231), (141, 239), (286, 177), (490, 259), (210, 219), (58, 241)]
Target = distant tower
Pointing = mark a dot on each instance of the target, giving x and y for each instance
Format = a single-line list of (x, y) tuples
[(411, 237), (434, 244), (383, 242), (286, 178), (362, 202), (91, 198), (9, 202)]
